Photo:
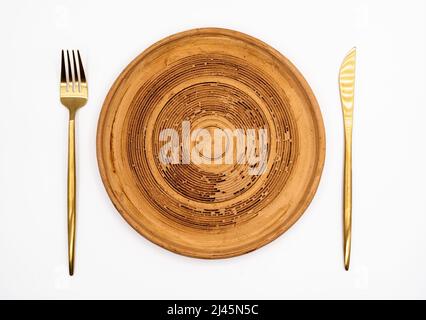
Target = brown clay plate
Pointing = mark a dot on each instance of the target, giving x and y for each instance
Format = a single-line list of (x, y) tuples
[(200, 202)]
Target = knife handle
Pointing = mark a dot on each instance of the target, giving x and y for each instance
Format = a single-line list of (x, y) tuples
[(347, 206)]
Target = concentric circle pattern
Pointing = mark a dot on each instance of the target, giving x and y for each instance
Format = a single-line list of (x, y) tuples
[(218, 104), (211, 204)]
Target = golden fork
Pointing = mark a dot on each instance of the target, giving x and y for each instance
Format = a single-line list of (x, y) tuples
[(347, 88), (73, 93)]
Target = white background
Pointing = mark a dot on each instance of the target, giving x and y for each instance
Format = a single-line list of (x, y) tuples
[(113, 261)]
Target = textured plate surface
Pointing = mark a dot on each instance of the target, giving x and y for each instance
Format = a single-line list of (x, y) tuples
[(211, 79)]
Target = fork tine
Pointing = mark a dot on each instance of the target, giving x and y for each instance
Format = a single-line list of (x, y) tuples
[(70, 76), (82, 75), (77, 83), (63, 73)]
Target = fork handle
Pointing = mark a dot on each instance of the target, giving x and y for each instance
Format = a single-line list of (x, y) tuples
[(347, 207), (71, 193)]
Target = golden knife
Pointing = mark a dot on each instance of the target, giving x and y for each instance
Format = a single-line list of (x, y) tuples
[(347, 86)]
